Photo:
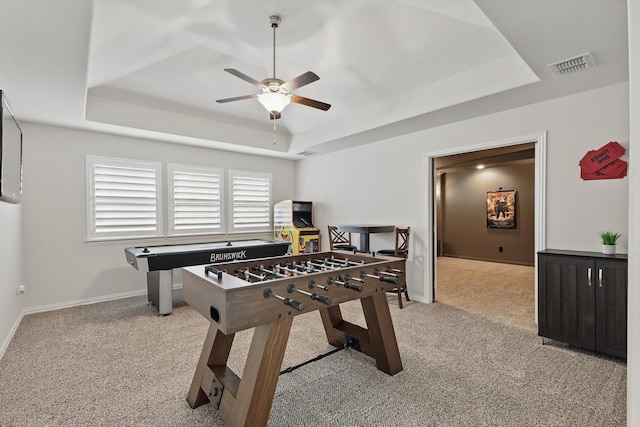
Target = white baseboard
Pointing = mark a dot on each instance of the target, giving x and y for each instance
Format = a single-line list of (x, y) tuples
[(12, 332), (67, 304), (85, 301)]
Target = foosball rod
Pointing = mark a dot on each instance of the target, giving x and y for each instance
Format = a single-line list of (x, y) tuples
[(273, 273), (347, 262), (313, 284), (381, 278), (287, 301), (386, 273), (338, 281), (248, 274), (322, 265), (348, 277), (291, 270), (306, 268), (316, 297), (332, 264)]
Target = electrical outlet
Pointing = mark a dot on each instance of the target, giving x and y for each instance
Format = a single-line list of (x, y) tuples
[(20, 290)]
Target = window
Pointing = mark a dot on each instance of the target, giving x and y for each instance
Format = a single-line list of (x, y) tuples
[(124, 198), (250, 201), (195, 196)]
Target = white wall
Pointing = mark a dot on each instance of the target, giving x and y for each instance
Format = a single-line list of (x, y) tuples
[(385, 182), (633, 350), (10, 271), (61, 267)]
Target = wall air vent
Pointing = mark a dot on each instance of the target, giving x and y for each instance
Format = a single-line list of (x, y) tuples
[(305, 153), (572, 65)]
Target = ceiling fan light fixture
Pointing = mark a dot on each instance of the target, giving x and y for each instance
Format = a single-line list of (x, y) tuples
[(276, 93), (274, 102)]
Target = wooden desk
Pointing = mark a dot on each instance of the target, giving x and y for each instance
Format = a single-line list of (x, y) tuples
[(364, 230)]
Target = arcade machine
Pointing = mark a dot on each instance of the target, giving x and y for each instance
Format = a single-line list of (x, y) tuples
[(293, 222)]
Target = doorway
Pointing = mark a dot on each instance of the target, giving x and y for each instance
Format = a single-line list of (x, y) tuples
[(464, 154)]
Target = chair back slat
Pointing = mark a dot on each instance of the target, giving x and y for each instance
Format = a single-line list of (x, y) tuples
[(402, 242), (338, 237)]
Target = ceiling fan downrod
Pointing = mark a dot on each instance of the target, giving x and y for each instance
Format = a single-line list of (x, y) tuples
[(275, 21)]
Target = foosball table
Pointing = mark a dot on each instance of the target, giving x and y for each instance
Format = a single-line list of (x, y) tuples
[(266, 294)]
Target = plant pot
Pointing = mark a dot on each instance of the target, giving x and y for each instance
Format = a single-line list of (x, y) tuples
[(609, 249)]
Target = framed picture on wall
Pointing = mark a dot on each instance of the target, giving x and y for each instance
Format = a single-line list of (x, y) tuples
[(501, 209)]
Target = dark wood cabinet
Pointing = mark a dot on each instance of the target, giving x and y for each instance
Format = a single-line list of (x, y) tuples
[(582, 300)]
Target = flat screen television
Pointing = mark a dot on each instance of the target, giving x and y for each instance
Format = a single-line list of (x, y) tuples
[(10, 154)]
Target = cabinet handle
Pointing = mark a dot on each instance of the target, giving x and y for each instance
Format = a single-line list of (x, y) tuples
[(600, 277), (589, 276)]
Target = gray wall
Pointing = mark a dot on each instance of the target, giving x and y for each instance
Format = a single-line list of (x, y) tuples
[(386, 182), (10, 271), (62, 267), (464, 232)]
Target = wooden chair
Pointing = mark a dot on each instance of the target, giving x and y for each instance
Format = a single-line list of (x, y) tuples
[(340, 240), (401, 250)]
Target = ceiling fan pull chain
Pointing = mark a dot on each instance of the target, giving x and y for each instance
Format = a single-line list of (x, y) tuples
[(274, 131)]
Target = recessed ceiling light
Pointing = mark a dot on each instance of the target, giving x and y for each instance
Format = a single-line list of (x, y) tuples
[(480, 167)]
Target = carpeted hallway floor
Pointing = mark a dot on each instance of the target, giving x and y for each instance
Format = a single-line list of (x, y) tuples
[(500, 292)]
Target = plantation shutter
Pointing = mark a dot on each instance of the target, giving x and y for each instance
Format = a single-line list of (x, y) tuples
[(251, 201), (124, 198), (195, 200)]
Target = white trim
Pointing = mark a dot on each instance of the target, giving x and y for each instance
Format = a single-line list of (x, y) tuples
[(68, 304), (12, 332), (539, 201), (80, 302)]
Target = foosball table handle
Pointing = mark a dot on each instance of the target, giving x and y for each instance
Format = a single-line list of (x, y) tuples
[(293, 303), (210, 269), (354, 286), (322, 298), (268, 293)]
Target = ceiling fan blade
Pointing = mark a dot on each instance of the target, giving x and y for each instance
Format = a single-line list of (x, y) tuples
[(310, 102), (301, 80), (236, 98), (243, 76), (274, 117)]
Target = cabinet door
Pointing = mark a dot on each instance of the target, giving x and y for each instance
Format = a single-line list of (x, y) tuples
[(566, 299), (611, 307)]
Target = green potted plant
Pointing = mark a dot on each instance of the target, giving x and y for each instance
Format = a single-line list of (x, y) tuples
[(609, 240)]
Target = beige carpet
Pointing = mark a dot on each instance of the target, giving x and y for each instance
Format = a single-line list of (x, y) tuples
[(119, 364), (500, 292)]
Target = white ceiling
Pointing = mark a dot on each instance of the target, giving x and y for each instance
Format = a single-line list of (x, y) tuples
[(154, 68)]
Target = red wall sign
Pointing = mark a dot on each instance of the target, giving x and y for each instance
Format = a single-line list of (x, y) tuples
[(604, 163)]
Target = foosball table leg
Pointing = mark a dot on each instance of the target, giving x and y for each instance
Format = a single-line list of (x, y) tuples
[(253, 402), (215, 352), (377, 341), (384, 345), (332, 317), (245, 401)]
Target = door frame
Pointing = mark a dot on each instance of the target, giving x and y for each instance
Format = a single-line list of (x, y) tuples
[(540, 140)]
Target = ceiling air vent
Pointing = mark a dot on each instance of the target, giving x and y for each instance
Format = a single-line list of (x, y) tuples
[(572, 65), (305, 153)]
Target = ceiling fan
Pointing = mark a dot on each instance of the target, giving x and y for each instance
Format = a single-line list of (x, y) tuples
[(275, 93)]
